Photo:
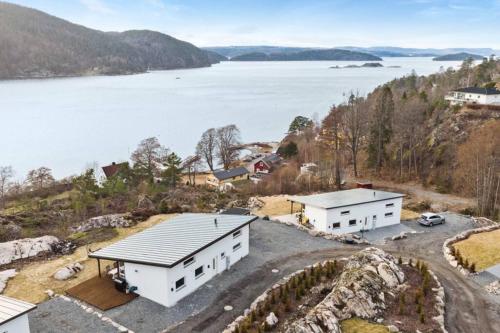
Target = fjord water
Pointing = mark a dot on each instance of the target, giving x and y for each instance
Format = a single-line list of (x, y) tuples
[(67, 123)]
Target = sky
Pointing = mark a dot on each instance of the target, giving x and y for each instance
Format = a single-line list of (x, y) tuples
[(313, 23)]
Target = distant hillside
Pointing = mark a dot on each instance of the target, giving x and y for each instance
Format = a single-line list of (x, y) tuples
[(35, 44), (329, 54), (234, 51), (458, 57), (215, 57)]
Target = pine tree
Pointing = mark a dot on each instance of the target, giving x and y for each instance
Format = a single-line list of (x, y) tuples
[(172, 173)]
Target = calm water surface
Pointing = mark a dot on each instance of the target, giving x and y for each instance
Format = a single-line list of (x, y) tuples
[(66, 124)]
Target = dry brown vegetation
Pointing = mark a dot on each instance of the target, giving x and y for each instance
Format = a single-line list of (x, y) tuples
[(275, 205), (482, 249)]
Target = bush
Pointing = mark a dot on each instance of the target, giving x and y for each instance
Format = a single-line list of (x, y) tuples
[(472, 268), (422, 317), (400, 261), (410, 262)]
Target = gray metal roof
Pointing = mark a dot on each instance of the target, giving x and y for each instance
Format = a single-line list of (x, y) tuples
[(479, 90), (11, 308), (226, 174), (172, 241), (345, 198)]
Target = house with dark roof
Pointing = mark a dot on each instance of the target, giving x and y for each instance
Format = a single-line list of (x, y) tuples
[(114, 168), (221, 177), (172, 259), (474, 95), (266, 164)]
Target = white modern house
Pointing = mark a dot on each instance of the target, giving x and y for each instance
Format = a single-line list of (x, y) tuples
[(474, 95), (350, 210), (172, 259), (14, 315)]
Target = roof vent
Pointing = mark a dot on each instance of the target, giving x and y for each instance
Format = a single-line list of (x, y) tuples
[(215, 221), (374, 194)]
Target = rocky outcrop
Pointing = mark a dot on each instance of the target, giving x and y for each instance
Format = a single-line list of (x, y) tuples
[(25, 248), (255, 202), (5, 276), (359, 291), (68, 271), (104, 221), (493, 288)]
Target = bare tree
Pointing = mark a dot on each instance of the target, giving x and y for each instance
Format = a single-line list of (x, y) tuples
[(40, 178), (228, 141), (355, 127), (207, 147), (148, 157), (6, 174), (191, 164)]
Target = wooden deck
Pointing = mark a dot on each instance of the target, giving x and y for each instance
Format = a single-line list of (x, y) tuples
[(101, 293)]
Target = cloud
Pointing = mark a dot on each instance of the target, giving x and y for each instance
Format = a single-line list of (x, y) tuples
[(156, 3), (96, 6)]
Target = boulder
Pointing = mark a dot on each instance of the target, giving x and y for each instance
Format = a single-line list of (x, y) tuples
[(104, 221), (5, 276), (25, 248), (144, 203), (272, 320), (393, 329), (68, 271)]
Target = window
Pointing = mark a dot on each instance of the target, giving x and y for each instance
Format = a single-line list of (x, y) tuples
[(179, 284), (352, 222), (336, 225), (236, 233), (189, 262), (345, 212), (222, 255), (388, 214), (236, 247), (198, 272), (374, 217), (389, 205)]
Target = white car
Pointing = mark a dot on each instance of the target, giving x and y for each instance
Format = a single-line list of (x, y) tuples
[(431, 219)]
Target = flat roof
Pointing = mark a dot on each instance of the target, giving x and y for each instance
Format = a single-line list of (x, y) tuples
[(344, 198), (227, 174), (175, 240), (11, 308)]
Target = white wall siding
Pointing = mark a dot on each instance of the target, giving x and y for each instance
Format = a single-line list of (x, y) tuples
[(159, 283), (316, 216), (16, 325), (362, 213)]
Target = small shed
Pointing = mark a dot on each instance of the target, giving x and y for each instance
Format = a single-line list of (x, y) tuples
[(14, 315)]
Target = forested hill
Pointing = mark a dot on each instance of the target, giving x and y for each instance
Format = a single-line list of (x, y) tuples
[(35, 44), (329, 54), (458, 57)]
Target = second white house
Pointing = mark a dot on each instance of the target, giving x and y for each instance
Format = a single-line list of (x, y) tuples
[(350, 210), (172, 259)]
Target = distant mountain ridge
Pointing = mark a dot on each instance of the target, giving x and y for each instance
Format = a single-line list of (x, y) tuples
[(36, 45), (328, 54), (380, 51)]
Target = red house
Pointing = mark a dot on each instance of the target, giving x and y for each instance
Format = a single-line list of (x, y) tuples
[(266, 164)]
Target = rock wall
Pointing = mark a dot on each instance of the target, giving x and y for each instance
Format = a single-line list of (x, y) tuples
[(104, 221)]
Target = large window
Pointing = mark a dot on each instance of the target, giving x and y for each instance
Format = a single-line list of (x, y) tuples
[(237, 247), (388, 214), (336, 225), (189, 262), (237, 234), (345, 212), (389, 205), (198, 272), (352, 222), (179, 284)]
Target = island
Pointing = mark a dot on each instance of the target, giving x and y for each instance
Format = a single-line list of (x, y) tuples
[(308, 55), (458, 57), (365, 65)]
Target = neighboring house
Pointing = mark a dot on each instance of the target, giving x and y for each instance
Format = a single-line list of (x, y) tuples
[(350, 210), (167, 262), (14, 315), (114, 168), (474, 95), (308, 168), (220, 177), (266, 164)]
